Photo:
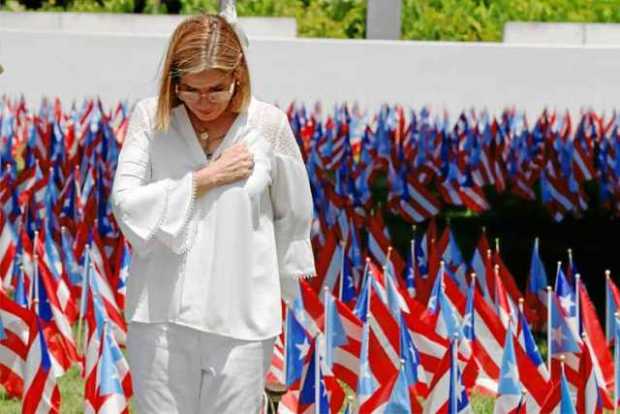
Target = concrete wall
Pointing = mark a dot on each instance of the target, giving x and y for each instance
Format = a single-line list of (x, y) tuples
[(383, 19), (562, 33), (445, 75), (141, 24)]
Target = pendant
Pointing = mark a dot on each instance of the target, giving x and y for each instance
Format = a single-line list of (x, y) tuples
[(203, 136)]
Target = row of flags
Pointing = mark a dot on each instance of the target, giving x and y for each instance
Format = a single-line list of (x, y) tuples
[(431, 163), (63, 259), (391, 353), (373, 332), (433, 327)]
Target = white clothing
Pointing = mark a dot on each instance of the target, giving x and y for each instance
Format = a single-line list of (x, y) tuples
[(212, 263), (181, 370)]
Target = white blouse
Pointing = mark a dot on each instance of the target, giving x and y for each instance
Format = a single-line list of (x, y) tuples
[(217, 262)]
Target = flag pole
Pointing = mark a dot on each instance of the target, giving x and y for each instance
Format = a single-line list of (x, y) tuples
[(562, 372), (317, 377), (453, 373), (326, 325), (607, 330), (285, 338), (34, 286), (369, 286), (617, 362), (35, 270), (343, 246), (412, 293), (83, 295), (8, 282), (35, 300), (577, 302), (549, 329)]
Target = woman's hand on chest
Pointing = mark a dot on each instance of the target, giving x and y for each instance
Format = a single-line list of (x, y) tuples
[(235, 163)]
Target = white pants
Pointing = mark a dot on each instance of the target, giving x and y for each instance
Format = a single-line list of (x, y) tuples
[(182, 370)]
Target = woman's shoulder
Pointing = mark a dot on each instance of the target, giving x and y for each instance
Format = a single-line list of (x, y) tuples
[(142, 118), (272, 122), (146, 108), (265, 116)]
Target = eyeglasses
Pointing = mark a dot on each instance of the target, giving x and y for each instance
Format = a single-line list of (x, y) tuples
[(213, 97)]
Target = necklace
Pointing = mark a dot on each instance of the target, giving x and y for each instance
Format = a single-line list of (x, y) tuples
[(205, 140), (203, 136)]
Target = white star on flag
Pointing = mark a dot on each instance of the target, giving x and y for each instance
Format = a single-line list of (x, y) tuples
[(467, 321), (511, 373), (557, 335), (432, 302), (412, 353), (324, 393), (567, 303), (303, 349)]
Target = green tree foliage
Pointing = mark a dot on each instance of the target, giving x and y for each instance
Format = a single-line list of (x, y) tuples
[(453, 20), (483, 20)]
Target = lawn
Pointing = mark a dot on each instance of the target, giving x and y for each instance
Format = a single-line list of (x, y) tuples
[(72, 394)]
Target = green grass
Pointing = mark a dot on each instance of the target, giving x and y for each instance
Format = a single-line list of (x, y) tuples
[(482, 403), (71, 391), (72, 396)]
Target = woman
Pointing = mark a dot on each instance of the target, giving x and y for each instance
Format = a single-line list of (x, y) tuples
[(212, 193)]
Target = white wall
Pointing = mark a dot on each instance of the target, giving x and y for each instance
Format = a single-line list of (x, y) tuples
[(450, 75), (562, 33)]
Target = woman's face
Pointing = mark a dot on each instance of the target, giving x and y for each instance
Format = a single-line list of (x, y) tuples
[(206, 94)]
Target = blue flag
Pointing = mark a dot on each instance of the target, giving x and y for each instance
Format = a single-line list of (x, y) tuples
[(566, 403), (335, 335), (108, 371), (509, 383), (399, 402), (297, 348), (562, 336)]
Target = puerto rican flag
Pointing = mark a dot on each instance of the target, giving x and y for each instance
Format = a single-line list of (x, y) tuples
[(447, 393), (8, 247), (112, 385), (346, 356), (509, 387), (536, 291), (589, 395), (15, 324), (41, 392)]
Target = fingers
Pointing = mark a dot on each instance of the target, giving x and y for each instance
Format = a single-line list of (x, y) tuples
[(239, 148), (238, 152), (236, 163), (248, 167)]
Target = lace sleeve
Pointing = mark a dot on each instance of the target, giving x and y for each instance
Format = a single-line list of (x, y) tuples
[(292, 205), (146, 209), (286, 144)]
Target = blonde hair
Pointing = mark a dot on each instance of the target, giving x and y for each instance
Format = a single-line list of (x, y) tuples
[(202, 42)]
